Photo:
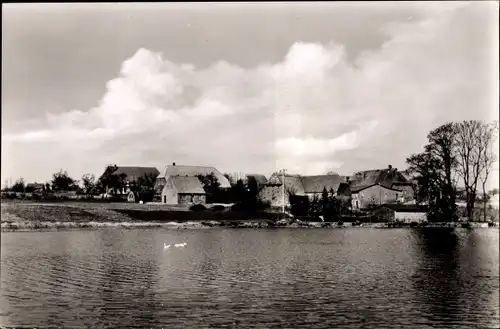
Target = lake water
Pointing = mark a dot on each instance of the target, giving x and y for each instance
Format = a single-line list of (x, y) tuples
[(284, 278)]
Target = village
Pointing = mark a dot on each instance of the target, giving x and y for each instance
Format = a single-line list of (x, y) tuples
[(386, 195)]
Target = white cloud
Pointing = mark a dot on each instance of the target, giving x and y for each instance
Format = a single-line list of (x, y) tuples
[(312, 111)]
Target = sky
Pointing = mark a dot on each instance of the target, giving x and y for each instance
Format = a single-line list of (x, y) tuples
[(244, 87)]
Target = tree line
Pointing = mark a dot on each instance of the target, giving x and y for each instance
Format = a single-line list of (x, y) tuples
[(456, 153)]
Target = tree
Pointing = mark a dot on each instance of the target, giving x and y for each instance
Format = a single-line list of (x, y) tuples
[(475, 156), (434, 171), (19, 185), (62, 182), (89, 184), (211, 186), (110, 180), (489, 158), (146, 183)]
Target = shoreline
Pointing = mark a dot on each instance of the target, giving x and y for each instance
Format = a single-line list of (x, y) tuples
[(33, 216), (25, 226)]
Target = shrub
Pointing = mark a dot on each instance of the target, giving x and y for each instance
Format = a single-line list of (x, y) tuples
[(218, 208), (197, 207)]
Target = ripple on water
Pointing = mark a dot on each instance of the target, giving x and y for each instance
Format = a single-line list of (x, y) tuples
[(251, 279)]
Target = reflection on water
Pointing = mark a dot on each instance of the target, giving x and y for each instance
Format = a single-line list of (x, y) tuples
[(347, 278)]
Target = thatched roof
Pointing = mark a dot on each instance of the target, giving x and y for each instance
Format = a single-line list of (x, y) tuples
[(384, 177), (134, 173), (308, 184), (316, 184), (187, 184), (193, 171), (259, 179)]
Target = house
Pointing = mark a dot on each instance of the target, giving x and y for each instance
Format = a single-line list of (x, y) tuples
[(257, 180), (309, 186), (380, 186), (170, 190), (132, 175), (183, 190), (401, 213)]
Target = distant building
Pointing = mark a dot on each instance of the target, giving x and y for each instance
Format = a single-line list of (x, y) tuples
[(401, 213), (304, 186), (179, 184)]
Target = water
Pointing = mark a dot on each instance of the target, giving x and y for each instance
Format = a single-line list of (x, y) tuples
[(286, 278)]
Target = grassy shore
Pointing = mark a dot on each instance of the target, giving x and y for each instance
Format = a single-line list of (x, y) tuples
[(28, 215)]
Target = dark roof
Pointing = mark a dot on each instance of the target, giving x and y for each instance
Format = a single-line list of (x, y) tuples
[(384, 177), (133, 173), (358, 188), (187, 184), (404, 207), (260, 179), (193, 171), (308, 184), (316, 184)]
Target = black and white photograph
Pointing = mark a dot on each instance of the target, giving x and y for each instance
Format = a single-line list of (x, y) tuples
[(250, 165)]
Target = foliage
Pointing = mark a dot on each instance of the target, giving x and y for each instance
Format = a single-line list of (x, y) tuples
[(299, 205), (61, 181), (89, 184), (475, 155), (19, 185), (145, 183), (211, 186), (197, 207), (434, 171), (110, 180)]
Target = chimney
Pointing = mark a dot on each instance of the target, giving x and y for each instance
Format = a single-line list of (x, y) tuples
[(173, 163)]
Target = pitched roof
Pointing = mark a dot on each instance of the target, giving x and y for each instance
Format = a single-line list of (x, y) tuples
[(383, 177), (260, 179), (358, 188), (316, 184), (308, 184), (187, 184), (133, 173), (193, 171)]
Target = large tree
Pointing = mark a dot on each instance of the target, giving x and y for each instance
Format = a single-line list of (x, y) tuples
[(475, 156), (19, 185), (211, 186), (434, 171)]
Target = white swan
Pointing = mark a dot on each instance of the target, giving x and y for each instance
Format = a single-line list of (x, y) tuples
[(180, 245), (165, 246)]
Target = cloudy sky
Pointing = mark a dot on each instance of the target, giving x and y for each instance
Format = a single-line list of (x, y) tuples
[(244, 87)]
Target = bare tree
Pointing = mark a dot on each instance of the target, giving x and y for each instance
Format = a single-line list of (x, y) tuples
[(472, 141), (489, 158)]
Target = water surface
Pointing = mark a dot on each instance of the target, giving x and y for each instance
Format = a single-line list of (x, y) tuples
[(286, 278)]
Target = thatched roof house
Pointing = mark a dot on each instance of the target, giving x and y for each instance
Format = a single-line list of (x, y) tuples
[(191, 171), (134, 173)]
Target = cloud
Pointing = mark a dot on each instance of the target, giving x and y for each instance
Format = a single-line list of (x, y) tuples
[(312, 111)]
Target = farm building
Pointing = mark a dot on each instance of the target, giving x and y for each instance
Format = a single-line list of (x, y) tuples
[(364, 197), (183, 190), (190, 171), (401, 213), (133, 174), (389, 179), (303, 186)]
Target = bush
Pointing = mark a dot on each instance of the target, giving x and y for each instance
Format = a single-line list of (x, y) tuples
[(197, 207), (218, 208)]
